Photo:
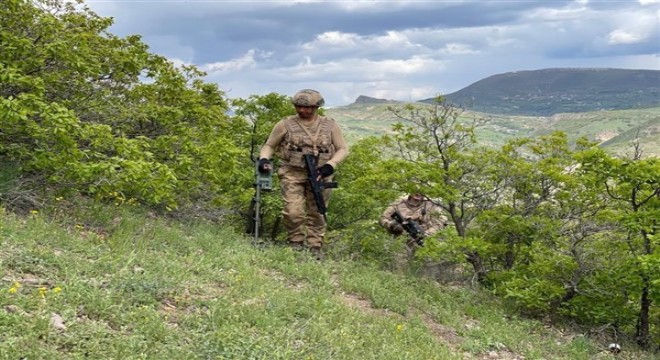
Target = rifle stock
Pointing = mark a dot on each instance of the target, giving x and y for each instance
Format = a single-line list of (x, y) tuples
[(316, 185)]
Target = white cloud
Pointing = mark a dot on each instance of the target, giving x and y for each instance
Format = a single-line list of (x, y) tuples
[(621, 36), (557, 14), (362, 70), (644, 27), (391, 39), (336, 39), (247, 61), (458, 49), (333, 39)]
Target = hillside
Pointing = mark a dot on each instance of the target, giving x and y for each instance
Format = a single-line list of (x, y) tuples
[(128, 285), (550, 91), (613, 129)]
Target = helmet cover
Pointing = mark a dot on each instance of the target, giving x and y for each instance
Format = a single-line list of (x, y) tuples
[(308, 97)]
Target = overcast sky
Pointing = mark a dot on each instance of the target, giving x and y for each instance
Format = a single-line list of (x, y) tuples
[(397, 50)]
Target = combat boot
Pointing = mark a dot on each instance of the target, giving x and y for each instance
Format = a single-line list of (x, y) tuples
[(317, 253)]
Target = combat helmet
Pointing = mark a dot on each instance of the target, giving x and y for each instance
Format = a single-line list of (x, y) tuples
[(308, 97)]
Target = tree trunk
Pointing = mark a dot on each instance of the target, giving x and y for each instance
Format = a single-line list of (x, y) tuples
[(643, 326), (642, 336), (477, 263)]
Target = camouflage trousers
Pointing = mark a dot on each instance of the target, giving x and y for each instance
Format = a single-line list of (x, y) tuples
[(300, 215)]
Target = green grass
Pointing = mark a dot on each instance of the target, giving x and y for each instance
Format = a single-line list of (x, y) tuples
[(130, 285)]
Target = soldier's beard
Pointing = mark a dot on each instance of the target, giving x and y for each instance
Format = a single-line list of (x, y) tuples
[(306, 114)]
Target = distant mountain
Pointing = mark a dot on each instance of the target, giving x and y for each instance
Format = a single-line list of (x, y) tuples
[(609, 106), (362, 99), (551, 91)]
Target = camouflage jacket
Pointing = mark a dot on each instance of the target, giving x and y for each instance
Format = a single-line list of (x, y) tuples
[(428, 215)]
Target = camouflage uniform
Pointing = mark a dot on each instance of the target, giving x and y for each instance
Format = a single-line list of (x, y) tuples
[(290, 139), (428, 215)]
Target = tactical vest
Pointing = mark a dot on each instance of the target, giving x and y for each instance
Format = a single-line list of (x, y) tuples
[(299, 140), (419, 214)]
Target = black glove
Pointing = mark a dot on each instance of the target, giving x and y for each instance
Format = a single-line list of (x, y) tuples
[(262, 163), (326, 170), (396, 228)]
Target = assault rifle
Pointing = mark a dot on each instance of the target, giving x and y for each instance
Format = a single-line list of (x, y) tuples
[(317, 186), (412, 227), (262, 182)]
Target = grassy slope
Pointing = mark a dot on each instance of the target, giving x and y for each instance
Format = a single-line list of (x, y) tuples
[(614, 129), (132, 286)]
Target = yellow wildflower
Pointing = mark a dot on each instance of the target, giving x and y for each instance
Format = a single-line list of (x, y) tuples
[(14, 287)]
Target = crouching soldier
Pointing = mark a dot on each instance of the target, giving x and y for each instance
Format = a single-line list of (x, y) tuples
[(415, 215)]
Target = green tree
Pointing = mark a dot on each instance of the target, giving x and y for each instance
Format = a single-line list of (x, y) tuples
[(91, 112), (634, 185)]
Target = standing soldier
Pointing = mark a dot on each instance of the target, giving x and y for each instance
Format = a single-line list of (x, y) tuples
[(291, 138), (416, 209)]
